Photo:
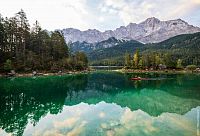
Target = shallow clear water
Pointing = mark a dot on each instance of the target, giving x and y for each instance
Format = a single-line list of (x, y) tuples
[(101, 103)]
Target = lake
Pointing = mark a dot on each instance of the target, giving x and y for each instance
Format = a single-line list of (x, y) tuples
[(101, 104)]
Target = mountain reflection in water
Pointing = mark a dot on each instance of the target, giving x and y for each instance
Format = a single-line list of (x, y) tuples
[(104, 103)]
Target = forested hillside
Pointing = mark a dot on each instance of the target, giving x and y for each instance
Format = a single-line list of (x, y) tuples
[(89, 47), (184, 47), (113, 55), (23, 48)]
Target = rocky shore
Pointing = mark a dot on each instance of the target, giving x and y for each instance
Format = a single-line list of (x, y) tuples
[(34, 73)]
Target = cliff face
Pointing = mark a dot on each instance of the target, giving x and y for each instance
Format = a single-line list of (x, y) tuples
[(149, 31)]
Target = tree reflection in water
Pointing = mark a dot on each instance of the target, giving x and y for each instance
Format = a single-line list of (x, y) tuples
[(28, 99)]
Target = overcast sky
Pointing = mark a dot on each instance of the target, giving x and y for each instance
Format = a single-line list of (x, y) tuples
[(100, 14)]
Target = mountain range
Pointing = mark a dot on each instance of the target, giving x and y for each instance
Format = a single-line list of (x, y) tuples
[(89, 47), (185, 47), (152, 30)]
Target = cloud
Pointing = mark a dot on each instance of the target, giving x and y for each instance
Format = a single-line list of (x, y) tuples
[(51, 14), (101, 19), (69, 123), (3, 133), (111, 119), (103, 15), (77, 130), (137, 11), (101, 114)]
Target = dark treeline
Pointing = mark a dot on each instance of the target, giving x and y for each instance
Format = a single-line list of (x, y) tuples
[(185, 47), (154, 60), (23, 48)]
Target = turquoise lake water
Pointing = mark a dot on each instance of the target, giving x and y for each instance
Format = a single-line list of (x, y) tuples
[(101, 104)]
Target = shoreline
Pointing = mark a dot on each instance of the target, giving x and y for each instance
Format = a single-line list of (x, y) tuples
[(167, 71), (21, 74)]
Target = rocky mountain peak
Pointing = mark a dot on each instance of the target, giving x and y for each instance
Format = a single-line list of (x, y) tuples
[(131, 24), (151, 20), (180, 20), (149, 31)]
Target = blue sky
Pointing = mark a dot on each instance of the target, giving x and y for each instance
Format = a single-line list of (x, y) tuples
[(101, 14)]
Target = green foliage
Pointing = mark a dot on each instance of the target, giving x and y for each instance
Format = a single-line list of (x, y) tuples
[(114, 52), (141, 64), (152, 60), (8, 65), (36, 49), (136, 59), (158, 60), (81, 60), (191, 67), (127, 60), (185, 47), (179, 64), (109, 62), (60, 49), (169, 61)]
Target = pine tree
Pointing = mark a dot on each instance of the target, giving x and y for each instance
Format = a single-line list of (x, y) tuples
[(136, 59), (36, 49), (8, 65), (127, 60), (179, 64), (22, 35), (169, 62)]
